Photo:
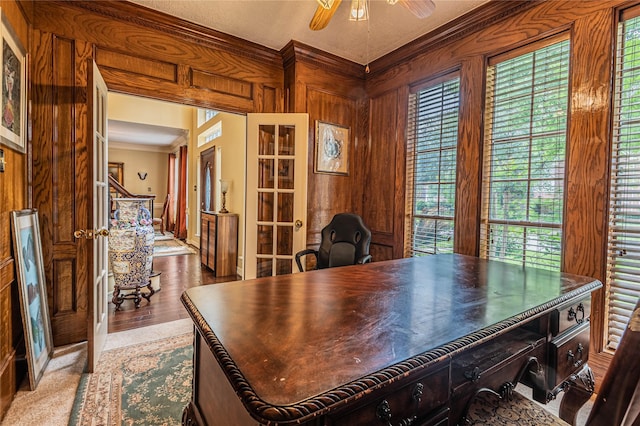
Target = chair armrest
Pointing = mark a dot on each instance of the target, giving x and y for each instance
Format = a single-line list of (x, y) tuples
[(364, 259), (304, 253)]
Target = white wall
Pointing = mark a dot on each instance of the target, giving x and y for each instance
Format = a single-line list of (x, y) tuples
[(136, 109), (230, 154), (153, 160), (230, 149), (153, 163)]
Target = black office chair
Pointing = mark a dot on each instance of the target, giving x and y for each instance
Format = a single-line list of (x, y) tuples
[(345, 241)]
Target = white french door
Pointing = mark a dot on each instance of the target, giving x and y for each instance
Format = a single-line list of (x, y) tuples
[(98, 303), (277, 146)]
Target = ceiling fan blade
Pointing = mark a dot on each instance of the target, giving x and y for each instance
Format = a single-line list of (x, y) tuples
[(322, 16), (420, 8)]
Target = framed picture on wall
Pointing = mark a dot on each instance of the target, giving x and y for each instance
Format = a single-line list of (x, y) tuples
[(32, 290), (332, 148), (14, 75)]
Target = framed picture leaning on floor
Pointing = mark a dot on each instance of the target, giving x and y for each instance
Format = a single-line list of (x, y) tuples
[(33, 294)]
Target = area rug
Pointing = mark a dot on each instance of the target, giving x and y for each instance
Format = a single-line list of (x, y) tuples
[(144, 384), (171, 247), (163, 237)]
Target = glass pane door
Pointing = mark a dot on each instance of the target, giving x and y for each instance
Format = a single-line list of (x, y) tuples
[(276, 176)]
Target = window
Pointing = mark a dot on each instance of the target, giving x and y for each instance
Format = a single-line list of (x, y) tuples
[(213, 132), (431, 167), (205, 115), (524, 155), (209, 114), (623, 263)]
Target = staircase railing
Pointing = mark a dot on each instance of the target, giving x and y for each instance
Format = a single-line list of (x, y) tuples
[(124, 193)]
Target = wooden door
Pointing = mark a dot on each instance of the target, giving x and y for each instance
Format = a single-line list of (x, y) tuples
[(207, 180), (276, 211), (99, 211)]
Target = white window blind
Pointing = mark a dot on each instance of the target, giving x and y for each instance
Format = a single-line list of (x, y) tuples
[(623, 266), (524, 155), (431, 167)]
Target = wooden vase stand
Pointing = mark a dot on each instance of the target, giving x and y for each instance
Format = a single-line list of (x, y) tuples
[(136, 295)]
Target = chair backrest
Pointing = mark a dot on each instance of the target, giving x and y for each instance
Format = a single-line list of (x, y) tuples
[(344, 240), (619, 397)]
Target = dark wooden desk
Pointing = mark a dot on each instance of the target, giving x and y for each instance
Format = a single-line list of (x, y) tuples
[(411, 337)]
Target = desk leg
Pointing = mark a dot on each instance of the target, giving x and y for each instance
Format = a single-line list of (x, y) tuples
[(188, 417), (581, 387)]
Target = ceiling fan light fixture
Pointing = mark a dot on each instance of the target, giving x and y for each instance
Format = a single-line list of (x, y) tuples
[(326, 3), (359, 10), (392, 1)]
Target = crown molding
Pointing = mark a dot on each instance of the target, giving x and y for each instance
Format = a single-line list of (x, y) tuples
[(145, 17), (470, 22), (144, 148), (295, 51)]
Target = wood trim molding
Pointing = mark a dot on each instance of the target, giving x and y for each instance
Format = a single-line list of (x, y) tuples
[(295, 51), (471, 22), (194, 33)]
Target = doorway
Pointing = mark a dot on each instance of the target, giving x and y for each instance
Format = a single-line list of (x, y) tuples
[(145, 123)]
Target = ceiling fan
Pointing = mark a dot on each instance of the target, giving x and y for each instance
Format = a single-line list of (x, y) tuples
[(359, 10)]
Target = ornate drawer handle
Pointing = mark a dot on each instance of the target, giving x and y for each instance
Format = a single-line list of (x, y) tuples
[(417, 393), (571, 356), (473, 375), (573, 315), (383, 411)]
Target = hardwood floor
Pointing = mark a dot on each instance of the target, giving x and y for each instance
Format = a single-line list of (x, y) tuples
[(177, 274)]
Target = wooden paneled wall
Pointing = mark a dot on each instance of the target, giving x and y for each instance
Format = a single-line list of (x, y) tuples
[(146, 53), (329, 89), (13, 196), (465, 45), (139, 52), (143, 52)]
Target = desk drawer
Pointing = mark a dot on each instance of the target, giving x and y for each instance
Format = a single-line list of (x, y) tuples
[(492, 365), (417, 402), (569, 315), (568, 353)]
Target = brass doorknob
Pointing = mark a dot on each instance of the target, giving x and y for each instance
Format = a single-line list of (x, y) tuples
[(104, 232), (298, 224), (90, 234)]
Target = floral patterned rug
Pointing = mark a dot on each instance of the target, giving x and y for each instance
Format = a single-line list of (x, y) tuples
[(171, 247), (145, 384)]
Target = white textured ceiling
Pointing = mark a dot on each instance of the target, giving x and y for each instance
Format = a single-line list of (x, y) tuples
[(125, 133), (273, 23)]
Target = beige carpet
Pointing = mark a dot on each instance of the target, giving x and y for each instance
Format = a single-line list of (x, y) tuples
[(51, 403)]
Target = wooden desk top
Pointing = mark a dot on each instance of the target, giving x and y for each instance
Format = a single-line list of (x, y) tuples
[(293, 342)]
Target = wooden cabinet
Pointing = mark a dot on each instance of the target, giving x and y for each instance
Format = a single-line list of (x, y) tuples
[(219, 242)]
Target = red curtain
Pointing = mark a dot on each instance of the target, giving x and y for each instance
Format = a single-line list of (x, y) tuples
[(180, 231), (171, 184)]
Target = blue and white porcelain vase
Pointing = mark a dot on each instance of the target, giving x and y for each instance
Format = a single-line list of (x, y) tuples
[(131, 240)]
